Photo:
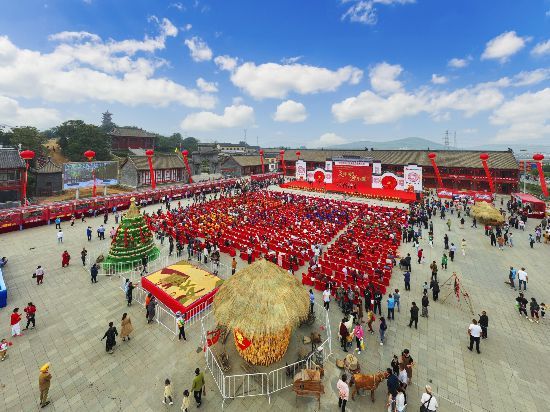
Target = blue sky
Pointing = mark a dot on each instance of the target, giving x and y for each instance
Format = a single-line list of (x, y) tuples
[(311, 72)]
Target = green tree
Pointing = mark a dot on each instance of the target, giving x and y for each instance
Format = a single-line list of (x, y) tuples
[(75, 137), (190, 143), (29, 138)]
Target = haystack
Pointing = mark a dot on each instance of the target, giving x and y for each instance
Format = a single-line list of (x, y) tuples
[(487, 214), (261, 303)]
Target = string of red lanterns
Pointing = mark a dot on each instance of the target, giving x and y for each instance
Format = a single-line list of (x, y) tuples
[(538, 158), (262, 160), (484, 157), (90, 154), (283, 165), (185, 154), (150, 153)]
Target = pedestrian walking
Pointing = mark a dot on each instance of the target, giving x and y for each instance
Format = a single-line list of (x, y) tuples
[(523, 278), (60, 236), (407, 279), (534, 309), (391, 307), (44, 381), (198, 387), (168, 393), (425, 304), (30, 312), (129, 293), (444, 261), (186, 401), (4, 345), (521, 304), (39, 275), (512, 277), (126, 327), (94, 270), (433, 267), (343, 392), (378, 301), (110, 337), (180, 322), (414, 315), (382, 329), (359, 333), (370, 319), (474, 331), (326, 298), (15, 320), (88, 232), (83, 255), (452, 250), (407, 362), (463, 247), (397, 299), (419, 254), (449, 224), (311, 300), (434, 286), (65, 259), (428, 403)]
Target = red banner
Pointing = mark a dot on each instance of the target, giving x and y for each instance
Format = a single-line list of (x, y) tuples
[(212, 337), (360, 176)]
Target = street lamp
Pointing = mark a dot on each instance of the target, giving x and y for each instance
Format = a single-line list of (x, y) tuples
[(26, 155), (90, 154)]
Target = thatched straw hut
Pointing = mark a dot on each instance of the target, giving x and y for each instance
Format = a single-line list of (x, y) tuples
[(487, 214), (261, 303)]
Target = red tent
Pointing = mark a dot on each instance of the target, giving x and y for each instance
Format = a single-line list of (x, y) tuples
[(538, 207)]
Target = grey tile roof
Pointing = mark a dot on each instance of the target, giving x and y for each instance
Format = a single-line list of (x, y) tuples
[(10, 159), (160, 161)]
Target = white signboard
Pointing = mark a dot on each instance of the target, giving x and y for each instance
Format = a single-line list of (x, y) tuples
[(301, 171), (413, 177), (351, 163), (377, 168), (377, 181), (328, 165)]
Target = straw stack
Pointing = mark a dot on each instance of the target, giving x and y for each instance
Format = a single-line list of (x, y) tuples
[(264, 303), (487, 214)]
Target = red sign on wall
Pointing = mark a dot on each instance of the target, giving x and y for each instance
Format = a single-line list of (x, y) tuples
[(358, 175)]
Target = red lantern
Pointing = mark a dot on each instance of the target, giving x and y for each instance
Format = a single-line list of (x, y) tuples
[(89, 154), (26, 155), (484, 156), (298, 154)]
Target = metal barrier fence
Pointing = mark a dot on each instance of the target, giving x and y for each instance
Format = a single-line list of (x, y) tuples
[(262, 384)]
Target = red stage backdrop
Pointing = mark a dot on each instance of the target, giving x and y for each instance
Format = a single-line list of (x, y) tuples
[(356, 172)]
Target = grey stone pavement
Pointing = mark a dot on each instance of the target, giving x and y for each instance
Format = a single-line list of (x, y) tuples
[(511, 374)]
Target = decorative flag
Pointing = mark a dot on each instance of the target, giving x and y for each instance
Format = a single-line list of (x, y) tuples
[(242, 342), (176, 150), (212, 337)]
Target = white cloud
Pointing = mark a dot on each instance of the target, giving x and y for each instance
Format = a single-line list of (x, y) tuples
[(365, 12), (291, 60), (178, 6), (383, 78), (531, 77), (376, 108), (273, 80), (83, 67), (541, 49), (326, 140), (524, 117), (226, 63), (13, 114), (198, 49), (504, 46), (208, 87), (187, 27), (233, 116), (439, 79), (459, 63), (290, 111)]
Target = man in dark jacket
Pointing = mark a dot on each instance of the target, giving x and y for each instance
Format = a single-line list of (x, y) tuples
[(434, 286), (343, 335), (425, 304), (484, 323), (393, 382), (93, 272), (111, 338), (378, 302), (414, 316)]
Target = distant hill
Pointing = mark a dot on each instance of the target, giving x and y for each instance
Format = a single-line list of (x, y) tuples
[(411, 143)]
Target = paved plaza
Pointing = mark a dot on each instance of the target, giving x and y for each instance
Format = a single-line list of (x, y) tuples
[(511, 373)]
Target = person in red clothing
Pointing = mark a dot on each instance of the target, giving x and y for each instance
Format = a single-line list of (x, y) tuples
[(30, 310), (14, 321), (65, 258), (420, 252)]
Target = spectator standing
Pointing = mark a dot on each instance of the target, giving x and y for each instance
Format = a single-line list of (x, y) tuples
[(126, 327), (484, 323), (358, 333), (88, 231), (15, 320), (326, 298), (383, 327), (414, 315), (167, 392), (111, 335), (83, 255), (57, 223), (94, 270), (522, 278), (407, 279), (311, 300), (129, 293), (425, 304), (397, 299), (59, 236), (344, 333), (4, 345), (391, 307), (233, 266), (452, 251), (39, 274), (180, 321), (474, 331)]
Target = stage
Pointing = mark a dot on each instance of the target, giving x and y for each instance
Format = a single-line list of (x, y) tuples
[(383, 194), (182, 287)]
